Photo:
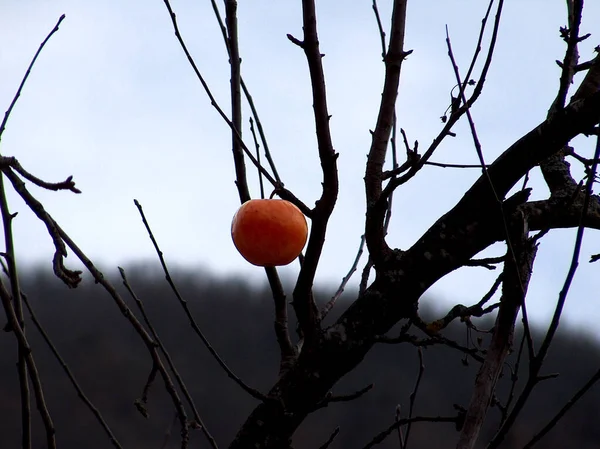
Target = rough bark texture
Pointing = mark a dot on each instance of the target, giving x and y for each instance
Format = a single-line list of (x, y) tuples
[(471, 226), (516, 276)]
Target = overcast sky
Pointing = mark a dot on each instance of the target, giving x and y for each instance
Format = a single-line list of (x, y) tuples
[(113, 102)]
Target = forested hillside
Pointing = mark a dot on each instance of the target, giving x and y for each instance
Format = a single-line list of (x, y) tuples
[(112, 366)]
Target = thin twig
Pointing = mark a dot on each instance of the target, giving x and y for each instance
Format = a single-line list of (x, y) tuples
[(24, 80), (401, 440), (458, 113), (381, 436), (563, 411), (302, 298), (280, 190), (141, 403), (327, 308), (172, 366), (413, 395), (330, 439), (169, 432), (135, 323), (248, 98), (486, 262), (432, 341), (71, 278), (67, 184), (254, 393), (445, 165), (38, 390), (257, 146), (112, 438), (537, 362), (15, 288)]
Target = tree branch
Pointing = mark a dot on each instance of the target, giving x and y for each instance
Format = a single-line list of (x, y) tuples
[(516, 276), (303, 303), (374, 229), (468, 228)]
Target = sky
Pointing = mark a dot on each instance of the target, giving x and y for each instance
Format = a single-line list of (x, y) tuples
[(113, 101)]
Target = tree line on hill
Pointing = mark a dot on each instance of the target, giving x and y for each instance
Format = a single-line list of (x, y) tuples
[(112, 366)]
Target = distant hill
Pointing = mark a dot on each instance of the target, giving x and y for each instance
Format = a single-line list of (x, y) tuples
[(112, 366)]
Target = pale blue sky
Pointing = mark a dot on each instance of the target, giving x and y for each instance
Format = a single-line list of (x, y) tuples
[(113, 102)]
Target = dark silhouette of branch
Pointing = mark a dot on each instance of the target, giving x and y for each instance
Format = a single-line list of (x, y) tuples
[(31, 368), (140, 403), (327, 308), (24, 79), (461, 311), (302, 301), (413, 397), (286, 348), (486, 262), (555, 169), (229, 33), (445, 165), (330, 397), (460, 111), (257, 146), (431, 341), (537, 362), (380, 437), (563, 411), (112, 438), (172, 366), (469, 227), (376, 207), (11, 270), (236, 100), (281, 191), (330, 439), (251, 391), (515, 280), (248, 97), (13, 163)]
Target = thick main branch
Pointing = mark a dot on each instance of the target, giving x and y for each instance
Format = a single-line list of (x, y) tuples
[(468, 228)]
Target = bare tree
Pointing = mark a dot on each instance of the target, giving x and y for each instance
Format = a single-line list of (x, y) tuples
[(312, 364)]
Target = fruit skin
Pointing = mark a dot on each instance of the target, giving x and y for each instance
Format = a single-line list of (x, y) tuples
[(269, 232)]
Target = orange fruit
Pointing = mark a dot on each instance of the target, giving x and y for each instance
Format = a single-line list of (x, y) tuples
[(269, 233)]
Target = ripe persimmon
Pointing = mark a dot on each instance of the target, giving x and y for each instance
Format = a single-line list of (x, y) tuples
[(269, 232)]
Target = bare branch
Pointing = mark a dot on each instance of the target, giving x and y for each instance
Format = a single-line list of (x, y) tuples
[(70, 277), (563, 411), (172, 366), (287, 351), (67, 184), (251, 391), (327, 308), (459, 112), (112, 438), (378, 248), (280, 190), (413, 396), (330, 439), (24, 80), (25, 349), (302, 302), (380, 437), (516, 277), (537, 362)]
